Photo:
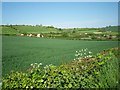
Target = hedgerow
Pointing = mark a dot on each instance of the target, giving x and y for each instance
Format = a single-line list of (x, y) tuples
[(100, 71)]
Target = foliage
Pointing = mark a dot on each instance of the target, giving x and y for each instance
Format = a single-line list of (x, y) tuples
[(19, 52), (65, 34), (69, 33), (100, 71)]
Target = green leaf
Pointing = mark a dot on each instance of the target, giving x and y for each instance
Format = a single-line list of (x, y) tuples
[(69, 85)]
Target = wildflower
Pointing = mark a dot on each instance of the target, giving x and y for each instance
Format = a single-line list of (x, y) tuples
[(31, 87), (76, 55), (79, 60), (40, 63), (27, 87), (82, 67), (85, 49), (76, 51), (90, 52), (50, 65), (74, 59), (79, 51), (31, 64), (90, 56)]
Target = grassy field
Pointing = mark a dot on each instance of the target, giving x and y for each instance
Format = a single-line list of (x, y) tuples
[(20, 52), (8, 30)]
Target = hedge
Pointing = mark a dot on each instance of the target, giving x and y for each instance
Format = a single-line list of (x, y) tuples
[(100, 71)]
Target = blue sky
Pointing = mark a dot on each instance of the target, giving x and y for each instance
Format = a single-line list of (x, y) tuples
[(61, 14)]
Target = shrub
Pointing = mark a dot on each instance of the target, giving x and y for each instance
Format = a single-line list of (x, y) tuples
[(96, 72)]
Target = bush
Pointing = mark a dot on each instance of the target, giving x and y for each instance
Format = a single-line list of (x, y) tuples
[(100, 71)]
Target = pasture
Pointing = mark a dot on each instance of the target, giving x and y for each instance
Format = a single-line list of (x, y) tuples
[(19, 52)]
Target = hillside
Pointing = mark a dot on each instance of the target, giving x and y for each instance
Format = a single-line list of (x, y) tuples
[(111, 28), (106, 33)]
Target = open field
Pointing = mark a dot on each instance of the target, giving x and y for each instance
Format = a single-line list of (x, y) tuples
[(20, 52)]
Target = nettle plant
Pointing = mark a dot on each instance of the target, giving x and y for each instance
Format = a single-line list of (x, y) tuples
[(83, 53)]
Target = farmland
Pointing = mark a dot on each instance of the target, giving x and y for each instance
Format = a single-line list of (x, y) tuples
[(30, 55), (61, 45), (19, 52), (105, 33)]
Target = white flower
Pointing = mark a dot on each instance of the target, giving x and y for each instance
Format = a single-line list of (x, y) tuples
[(74, 59), (76, 55), (40, 63), (31, 64), (90, 52), (85, 49), (50, 65), (79, 60), (90, 56), (76, 51), (82, 67), (31, 86), (27, 87), (44, 67)]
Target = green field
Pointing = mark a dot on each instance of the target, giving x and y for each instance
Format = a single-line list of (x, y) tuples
[(20, 52)]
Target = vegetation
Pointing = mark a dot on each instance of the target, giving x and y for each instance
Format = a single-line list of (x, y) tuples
[(105, 33), (19, 52), (100, 71), (31, 58)]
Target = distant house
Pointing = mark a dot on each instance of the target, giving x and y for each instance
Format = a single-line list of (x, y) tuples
[(42, 36), (38, 35), (21, 34)]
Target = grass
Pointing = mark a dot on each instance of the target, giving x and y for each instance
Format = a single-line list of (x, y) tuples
[(100, 71), (35, 29), (19, 52), (8, 30)]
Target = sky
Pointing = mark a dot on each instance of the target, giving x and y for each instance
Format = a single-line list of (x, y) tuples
[(60, 0), (61, 14)]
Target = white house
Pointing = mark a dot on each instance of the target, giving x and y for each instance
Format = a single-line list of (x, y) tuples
[(21, 34), (42, 36), (30, 35), (38, 35)]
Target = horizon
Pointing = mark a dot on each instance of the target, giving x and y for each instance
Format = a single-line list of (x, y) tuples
[(58, 27), (61, 14)]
